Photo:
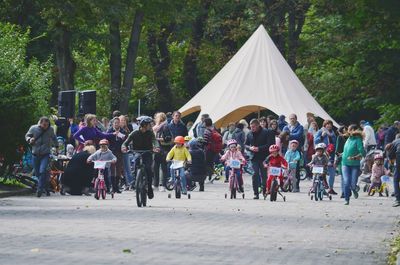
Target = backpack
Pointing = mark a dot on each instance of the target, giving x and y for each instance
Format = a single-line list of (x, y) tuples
[(216, 142)]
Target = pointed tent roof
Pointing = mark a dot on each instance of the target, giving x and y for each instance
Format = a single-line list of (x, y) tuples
[(256, 78)]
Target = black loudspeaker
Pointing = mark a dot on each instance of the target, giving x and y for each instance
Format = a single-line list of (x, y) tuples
[(66, 104), (87, 102)]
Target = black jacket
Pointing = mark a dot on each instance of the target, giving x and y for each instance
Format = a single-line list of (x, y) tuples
[(263, 139), (78, 174)]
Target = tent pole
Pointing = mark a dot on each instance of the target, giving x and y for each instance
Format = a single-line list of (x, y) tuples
[(258, 113)]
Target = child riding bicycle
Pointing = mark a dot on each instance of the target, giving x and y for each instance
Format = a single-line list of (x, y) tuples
[(233, 154), (274, 161), (320, 159), (378, 170), (179, 153)]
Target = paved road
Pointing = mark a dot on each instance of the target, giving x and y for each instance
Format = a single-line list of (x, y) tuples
[(208, 229)]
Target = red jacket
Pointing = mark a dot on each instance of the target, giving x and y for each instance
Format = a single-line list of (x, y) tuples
[(277, 161)]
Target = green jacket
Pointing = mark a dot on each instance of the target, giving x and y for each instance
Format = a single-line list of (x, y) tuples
[(352, 147)]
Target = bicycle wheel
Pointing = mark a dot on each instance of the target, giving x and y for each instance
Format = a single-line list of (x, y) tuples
[(303, 173), (233, 193), (139, 187), (178, 191), (103, 194), (273, 191), (144, 197), (316, 191), (27, 181), (386, 192)]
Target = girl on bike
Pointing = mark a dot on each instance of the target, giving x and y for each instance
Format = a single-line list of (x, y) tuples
[(378, 170), (179, 153), (232, 153), (320, 159), (277, 161)]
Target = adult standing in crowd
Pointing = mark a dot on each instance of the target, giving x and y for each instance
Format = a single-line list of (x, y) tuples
[(88, 134), (258, 142), (41, 137), (176, 126), (296, 132), (165, 140), (115, 147), (239, 135), (393, 150), (353, 152), (281, 122), (127, 157), (246, 129), (369, 136), (327, 136), (228, 133), (391, 132), (263, 122), (210, 144), (340, 141), (115, 114), (199, 129)]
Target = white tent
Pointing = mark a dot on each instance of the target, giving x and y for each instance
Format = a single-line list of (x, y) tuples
[(256, 78)]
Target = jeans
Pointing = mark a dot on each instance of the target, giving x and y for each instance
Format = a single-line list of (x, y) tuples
[(127, 158), (331, 173), (40, 163), (396, 178), (182, 175), (160, 161), (259, 170), (350, 178)]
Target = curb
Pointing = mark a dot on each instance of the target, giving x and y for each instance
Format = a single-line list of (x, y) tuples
[(21, 192)]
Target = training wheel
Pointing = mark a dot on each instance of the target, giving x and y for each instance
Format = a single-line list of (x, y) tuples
[(112, 195), (330, 197), (312, 197), (284, 198), (226, 195), (169, 196), (243, 195), (189, 196)]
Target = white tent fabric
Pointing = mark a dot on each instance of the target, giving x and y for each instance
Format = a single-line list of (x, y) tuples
[(256, 78)]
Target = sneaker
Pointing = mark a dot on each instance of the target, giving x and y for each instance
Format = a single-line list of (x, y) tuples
[(355, 193), (331, 191), (256, 197), (241, 189), (342, 196), (39, 194), (161, 189), (226, 180), (347, 203), (127, 188), (396, 204), (201, 189), (150, 193), (184, 192)]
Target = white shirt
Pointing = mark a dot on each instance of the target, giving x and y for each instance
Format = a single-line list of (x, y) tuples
[(369, 136)]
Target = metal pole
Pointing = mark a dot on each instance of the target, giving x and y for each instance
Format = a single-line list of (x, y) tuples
[(138, 109)]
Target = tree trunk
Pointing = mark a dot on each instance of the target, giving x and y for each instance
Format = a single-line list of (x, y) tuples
[(190, 70), (132, 51), (160, 64), (65, 63), (275, 20), (115, 65)]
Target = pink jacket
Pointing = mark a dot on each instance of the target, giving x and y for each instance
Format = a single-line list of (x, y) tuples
[(377, 172), (229, 155)]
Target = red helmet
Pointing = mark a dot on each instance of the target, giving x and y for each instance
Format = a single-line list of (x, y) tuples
[(378, 156), (179, 140), (273, 148), (103, 141)]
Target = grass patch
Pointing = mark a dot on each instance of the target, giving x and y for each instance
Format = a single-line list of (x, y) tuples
[(394, 250)]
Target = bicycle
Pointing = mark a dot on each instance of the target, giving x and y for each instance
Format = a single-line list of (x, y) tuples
[(233, 179), (177, 167), (99, 183), (274, 190), (141, 182), (317, 190), (290, 179), (15, 173), (384, 187)]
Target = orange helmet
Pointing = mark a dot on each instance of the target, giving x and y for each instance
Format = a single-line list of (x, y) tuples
[(104, 141), (179, 140)]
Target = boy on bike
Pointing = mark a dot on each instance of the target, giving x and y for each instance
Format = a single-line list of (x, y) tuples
[(144, 139), (320, 159), (179, 153), (293, 156)]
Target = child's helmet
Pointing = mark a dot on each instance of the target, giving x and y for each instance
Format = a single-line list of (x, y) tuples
[(103, 142), (273, 148), (231, 142), (294, 142), (187, 138), (378, 156), (144, 120), (179, 140), (320, 146)]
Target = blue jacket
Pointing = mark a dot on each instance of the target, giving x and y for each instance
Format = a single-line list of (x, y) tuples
[(390, 134), (296, 133), (178, 129)]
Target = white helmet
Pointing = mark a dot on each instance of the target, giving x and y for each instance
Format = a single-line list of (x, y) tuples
[(320, 146)]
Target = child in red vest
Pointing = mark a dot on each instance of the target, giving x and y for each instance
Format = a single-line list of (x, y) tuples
[(274, 161)]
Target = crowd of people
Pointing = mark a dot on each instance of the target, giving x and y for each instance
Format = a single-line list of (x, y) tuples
[(263, 142)]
